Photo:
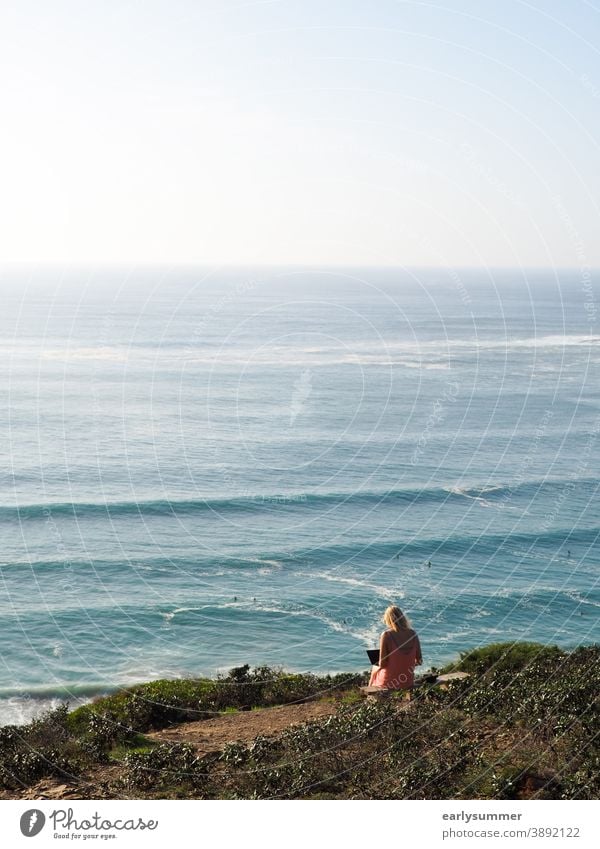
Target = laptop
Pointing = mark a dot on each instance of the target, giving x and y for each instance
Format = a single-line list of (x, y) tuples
[(373, 656)]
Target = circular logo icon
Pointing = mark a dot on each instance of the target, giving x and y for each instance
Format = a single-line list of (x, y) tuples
[(32, 822)]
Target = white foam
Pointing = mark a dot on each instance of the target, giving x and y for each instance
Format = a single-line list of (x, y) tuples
[(384, 592), (171, 614), (21, 710), (466, 492), (417, 354), (407, 353), (312, 613), (370, 636), (576, 596), (267, 566)]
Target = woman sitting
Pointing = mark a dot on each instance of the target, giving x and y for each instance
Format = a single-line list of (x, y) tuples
[(399, 653)]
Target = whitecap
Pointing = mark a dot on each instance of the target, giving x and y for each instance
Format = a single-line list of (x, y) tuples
[(576, 596), (384, 592)]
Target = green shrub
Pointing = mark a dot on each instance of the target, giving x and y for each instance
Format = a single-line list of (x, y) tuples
[(169, 768), (42, 748), (525, 728), (112, 720), (524, 725), (506, 657)]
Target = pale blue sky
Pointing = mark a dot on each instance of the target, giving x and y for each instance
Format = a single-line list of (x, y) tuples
[(337, 132)]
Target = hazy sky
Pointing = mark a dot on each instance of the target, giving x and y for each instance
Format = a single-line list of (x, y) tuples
[(464, 132)]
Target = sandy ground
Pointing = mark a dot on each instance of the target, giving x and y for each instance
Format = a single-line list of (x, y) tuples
[(210, 735), (206, 736)]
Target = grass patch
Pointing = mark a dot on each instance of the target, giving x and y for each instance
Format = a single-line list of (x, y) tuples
[(138, 744), (504, 657)]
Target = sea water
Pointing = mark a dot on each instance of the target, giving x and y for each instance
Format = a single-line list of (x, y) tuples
[(202, 468)]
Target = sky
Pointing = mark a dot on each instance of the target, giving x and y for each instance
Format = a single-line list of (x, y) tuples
[(346, 132)]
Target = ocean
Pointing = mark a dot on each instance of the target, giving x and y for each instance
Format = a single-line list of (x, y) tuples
[(202, 468)]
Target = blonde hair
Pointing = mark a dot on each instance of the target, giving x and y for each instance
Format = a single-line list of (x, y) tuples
[(395, 619)]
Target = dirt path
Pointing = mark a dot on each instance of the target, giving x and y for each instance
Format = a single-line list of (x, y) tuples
[(206, 735), (209, 735)]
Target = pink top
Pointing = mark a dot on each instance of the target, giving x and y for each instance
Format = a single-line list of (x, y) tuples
[(403, 651)]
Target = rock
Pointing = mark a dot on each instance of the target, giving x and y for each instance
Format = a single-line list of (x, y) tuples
[(452, 676)]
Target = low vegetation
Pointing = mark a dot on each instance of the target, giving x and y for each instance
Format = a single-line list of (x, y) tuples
[(157, 704), (505, 657), (524, 725)]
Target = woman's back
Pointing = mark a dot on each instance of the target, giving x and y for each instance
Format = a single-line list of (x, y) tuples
[(401, 653)]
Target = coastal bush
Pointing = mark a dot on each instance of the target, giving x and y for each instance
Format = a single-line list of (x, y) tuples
[(505, 657), (548, 695), (175, 767), (146, 706), (42, 748), (526, 727), (512, 733), (584, 782), (113, 719), (521, 780)]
